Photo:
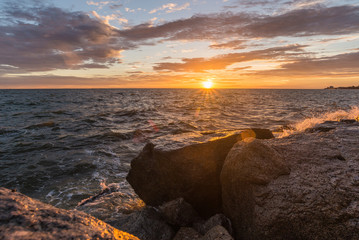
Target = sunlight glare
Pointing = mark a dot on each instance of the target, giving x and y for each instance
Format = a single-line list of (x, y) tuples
[(208, 84)]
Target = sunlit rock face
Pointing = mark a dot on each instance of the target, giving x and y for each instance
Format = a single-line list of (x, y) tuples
[(303, 186), (24, 218)]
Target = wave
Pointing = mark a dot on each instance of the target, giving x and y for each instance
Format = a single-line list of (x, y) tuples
[(352, 113), (42, 125)]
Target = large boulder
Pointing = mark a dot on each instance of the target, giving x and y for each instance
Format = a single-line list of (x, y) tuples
[(304, 186), (192, 172), (164, 173), (24, 218)]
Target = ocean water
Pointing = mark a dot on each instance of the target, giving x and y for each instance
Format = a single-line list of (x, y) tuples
[(59, 146)]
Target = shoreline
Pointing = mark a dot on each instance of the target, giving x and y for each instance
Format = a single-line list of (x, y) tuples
[(319, 156)]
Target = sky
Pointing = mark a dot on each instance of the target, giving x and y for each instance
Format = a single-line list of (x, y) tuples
[(300, 44)]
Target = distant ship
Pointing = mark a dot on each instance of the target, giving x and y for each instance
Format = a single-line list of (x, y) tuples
[(352, 87)]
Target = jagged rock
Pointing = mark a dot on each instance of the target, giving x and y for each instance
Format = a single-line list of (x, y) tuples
[(24, 218), (187, 233), (179, 213), (218, 219), (317, 200), (159, 175), (146, 224), (112, 202), (217, 233)]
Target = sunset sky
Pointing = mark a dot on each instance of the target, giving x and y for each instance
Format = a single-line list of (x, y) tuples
[(179, 44)]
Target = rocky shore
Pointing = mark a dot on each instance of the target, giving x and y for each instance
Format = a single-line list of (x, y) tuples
[(244, 186)]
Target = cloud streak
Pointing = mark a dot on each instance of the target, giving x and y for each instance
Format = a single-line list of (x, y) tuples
[(223, 61), (301, 22), (170, 7)]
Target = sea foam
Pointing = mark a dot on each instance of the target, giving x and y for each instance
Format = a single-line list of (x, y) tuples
[(301, 126)]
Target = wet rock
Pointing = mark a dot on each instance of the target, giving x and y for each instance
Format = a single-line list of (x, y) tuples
[(218, 219), (317, 199), (217, 233), (112, 202), (164, 173), (24, 218), (179, 213), (146, 224), (187, 233)]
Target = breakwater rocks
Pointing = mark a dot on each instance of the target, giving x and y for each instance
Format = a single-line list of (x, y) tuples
[(304, 186), (24, 218)]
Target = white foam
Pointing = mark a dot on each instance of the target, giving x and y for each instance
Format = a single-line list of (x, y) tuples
[(301, 126)]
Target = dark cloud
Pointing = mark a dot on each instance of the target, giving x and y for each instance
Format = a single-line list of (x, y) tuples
[(308, 22), (47, 38), (223, 61), (342, 63), (301, 22), (115, 6), (198, 27), (234, 44), (44, 38)]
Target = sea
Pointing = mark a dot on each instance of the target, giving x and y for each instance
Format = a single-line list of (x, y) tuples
[(63, 146)]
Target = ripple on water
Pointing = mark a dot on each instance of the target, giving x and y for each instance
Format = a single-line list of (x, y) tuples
[(59, 145)]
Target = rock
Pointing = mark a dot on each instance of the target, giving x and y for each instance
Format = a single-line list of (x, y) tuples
[(159, 175), (187, 233), (347, 120), (218, 219), (317, 199), (112, 202), (191, 172), (24, 218), (217, 233), (259, 133), (146, 224), (179, 213)]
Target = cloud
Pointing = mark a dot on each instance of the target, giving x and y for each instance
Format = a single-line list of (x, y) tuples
[(170, 7), (106, 19), (301, 22), (223, 61), (42, 38), (338, 64), (98, 4), (48, 38), (115, 6), (234, 44), (308, 22)]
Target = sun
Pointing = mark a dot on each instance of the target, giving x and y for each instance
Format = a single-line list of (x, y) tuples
[(207, 84)]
